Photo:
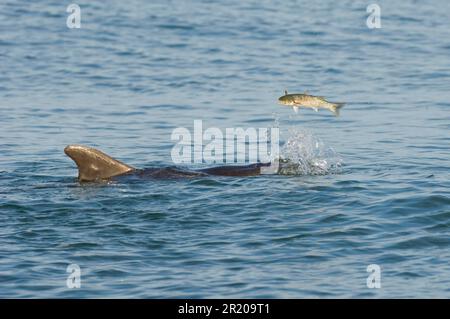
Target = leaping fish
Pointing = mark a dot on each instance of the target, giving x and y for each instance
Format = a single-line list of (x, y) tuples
[(310, 101)]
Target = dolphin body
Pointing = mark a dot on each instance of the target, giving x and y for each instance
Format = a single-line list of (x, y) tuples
[(94, 166)]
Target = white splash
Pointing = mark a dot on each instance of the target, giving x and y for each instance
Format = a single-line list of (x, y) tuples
[(305, 154)]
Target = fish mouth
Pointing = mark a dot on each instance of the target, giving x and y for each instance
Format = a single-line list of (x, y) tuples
[(285, 103)]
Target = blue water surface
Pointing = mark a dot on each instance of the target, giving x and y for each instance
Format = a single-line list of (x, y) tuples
[(136, 70)]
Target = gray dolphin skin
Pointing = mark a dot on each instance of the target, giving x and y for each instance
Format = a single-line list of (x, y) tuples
[(95, 166)]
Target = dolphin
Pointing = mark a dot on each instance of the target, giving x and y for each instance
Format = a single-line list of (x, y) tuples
[(94, 166)]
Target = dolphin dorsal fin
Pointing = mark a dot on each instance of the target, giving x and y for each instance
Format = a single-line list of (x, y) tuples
[(94, 165)]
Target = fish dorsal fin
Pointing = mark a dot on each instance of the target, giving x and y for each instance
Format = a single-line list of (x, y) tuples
[(94, 165)]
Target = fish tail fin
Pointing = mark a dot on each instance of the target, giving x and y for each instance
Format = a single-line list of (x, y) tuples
[(335, 108), (94, 165)]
